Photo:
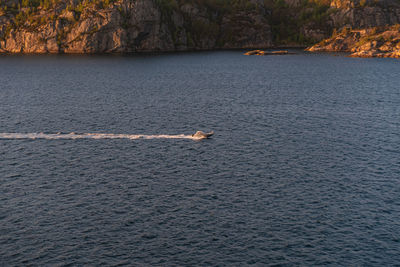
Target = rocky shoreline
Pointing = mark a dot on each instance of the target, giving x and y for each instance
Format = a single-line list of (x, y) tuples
[(371, 42)]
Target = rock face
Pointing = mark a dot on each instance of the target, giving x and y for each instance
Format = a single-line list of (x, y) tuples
[(356, 14), (296, 21), (381, 14), (135, 26), (126, 26), (373, 42)]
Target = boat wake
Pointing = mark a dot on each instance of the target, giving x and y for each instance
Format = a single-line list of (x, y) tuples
[(56, 136)]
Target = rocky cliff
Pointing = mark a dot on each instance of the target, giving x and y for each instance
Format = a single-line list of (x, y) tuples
[(132, 26), (317, 20), (366, 28), (365, 14), (107, 26)]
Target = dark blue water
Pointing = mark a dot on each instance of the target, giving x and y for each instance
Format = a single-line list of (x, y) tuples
[(304, 167)]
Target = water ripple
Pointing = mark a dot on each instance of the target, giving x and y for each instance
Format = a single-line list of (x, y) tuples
[(303, 171)]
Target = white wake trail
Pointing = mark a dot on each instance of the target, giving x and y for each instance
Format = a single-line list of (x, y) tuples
[(56, 136)]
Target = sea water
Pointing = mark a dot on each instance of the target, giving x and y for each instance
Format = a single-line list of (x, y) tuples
[(303, 169)]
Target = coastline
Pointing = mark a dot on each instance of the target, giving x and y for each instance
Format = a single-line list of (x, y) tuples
[(151, 52)]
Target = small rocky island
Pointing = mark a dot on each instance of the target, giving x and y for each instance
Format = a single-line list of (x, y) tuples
[(371, 42), (267, 53)]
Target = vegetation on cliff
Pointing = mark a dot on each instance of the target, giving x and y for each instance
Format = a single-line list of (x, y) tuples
[(286, 20), (290, 22)]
